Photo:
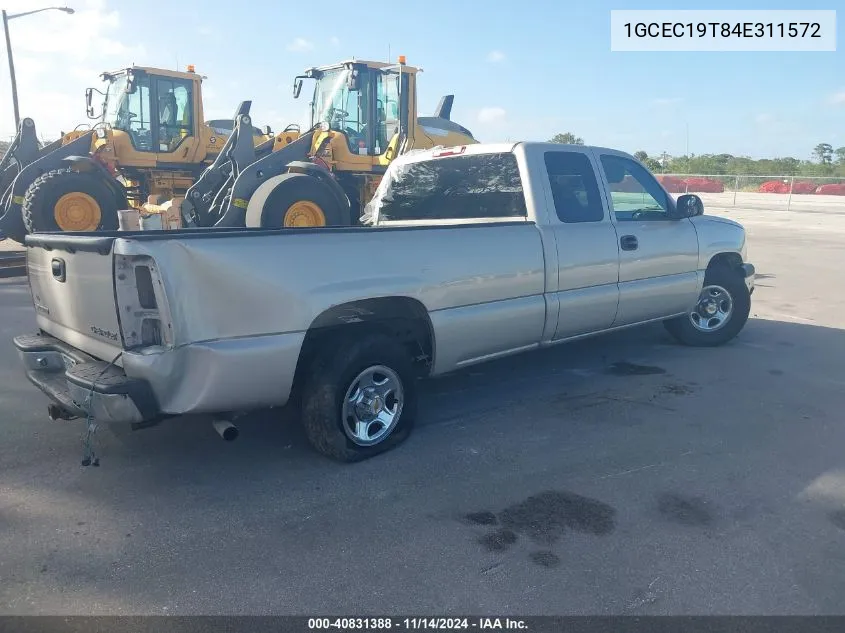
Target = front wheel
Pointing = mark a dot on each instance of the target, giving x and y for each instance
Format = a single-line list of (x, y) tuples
[(359, 397), (720, 313), (68, 200), (302, 200)]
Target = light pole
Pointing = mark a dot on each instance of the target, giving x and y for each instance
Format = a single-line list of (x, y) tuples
[(6, 18)]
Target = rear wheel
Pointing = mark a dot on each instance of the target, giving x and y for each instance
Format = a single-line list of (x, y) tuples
[(68, 200), (359, 397), (300, 200)]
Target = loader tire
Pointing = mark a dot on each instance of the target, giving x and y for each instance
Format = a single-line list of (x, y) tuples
[(335, 399), (301, 200), (68, 200)]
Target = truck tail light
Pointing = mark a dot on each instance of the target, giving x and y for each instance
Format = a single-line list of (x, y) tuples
[(452, 151), (142, 305)]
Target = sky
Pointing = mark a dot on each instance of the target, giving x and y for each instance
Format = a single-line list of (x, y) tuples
[(519, 70)]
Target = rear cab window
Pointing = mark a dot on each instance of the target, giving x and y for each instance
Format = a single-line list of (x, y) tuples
[(470, 187), (575, 190)]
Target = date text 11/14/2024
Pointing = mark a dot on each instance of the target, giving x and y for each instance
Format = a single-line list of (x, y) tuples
[(417, 624)]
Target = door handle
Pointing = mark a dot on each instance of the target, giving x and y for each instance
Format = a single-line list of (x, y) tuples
[(628, 242)]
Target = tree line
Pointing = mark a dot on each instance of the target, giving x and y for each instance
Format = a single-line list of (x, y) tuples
[(827, 161)]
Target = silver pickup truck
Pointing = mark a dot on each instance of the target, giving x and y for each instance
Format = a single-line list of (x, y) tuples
[(470, 253)]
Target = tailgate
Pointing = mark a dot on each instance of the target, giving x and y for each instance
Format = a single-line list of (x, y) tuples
[(71, 278)]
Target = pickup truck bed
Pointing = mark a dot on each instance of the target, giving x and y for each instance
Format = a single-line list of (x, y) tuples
[(135, 327)]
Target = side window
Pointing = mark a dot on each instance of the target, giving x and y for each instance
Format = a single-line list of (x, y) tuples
[(175, 112), (635, 194), (387, 110), (574, 187), (461, 187)]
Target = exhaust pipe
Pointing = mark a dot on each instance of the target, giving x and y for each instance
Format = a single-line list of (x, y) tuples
[(226, 430)]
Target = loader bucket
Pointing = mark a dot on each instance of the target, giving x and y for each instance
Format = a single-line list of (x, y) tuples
[(22, 151), (239, 150)]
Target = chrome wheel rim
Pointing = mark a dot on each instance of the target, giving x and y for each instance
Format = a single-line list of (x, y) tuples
[(713, 310), (372, 405)]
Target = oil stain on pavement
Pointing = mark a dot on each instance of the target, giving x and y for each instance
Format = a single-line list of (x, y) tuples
[(498, 540), (623, 368), (543, 519), (544, 558), (838, 519), (677, 389), (684, 510)]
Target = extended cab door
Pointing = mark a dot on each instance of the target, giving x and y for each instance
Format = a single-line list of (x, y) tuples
[(658, 255), (587, 264)]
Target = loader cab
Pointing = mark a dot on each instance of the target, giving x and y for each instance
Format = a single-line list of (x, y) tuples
[(363, 111), (152, 115)]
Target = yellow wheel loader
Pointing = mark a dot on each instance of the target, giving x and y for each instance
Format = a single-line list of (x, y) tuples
[(363, 115), (149, 140)]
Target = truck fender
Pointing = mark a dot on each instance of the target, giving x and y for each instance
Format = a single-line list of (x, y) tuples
[(86, 163), (255, 206)]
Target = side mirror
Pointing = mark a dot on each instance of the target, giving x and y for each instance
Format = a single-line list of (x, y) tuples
[(89, 96), (689, 205), (297, 87), (353, 80)]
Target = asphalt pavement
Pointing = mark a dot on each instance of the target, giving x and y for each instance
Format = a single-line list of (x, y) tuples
[(619, 475)]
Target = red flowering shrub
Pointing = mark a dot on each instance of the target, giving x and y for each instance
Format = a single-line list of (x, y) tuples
[(831, 190), (704, 185), (774, 186)]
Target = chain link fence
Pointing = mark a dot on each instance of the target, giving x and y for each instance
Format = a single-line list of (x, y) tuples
[(786, 193)]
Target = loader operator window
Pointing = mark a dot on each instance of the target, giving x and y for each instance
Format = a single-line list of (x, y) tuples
[(343, 109), (131, 111), (175, 112)]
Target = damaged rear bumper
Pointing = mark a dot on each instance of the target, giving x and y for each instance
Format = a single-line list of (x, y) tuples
[(82, 386)]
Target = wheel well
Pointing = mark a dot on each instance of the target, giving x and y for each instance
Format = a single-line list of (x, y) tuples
[(87, 165), (725, 260), (402, 317), (324, 176)]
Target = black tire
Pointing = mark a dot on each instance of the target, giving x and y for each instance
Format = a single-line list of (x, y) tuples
[(329, 376), (732, 281), (42, 195), (302, 187)]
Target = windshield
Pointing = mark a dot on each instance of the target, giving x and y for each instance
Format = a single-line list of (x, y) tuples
[(367, 115), (131, 111), (334, 103), (115, 102)]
